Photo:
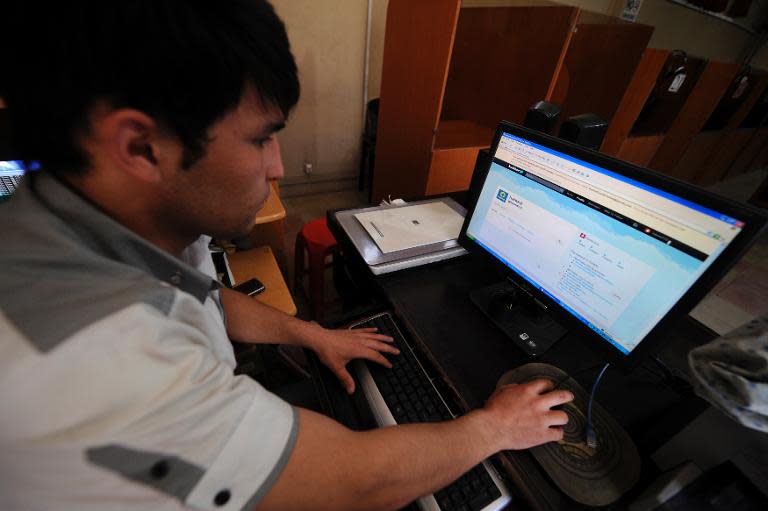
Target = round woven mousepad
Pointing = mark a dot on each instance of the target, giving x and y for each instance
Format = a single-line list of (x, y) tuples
[(592, 476)]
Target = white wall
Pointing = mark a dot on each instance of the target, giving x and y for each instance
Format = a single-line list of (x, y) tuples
[(328, 40)]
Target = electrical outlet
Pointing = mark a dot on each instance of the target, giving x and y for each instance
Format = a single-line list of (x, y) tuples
[(308, 168)]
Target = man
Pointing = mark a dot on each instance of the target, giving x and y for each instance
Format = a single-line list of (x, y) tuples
[(155, 124)]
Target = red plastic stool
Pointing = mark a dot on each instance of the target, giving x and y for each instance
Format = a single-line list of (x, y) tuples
[(317, 241)]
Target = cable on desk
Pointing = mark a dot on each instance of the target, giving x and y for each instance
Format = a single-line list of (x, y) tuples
[(589, 430)]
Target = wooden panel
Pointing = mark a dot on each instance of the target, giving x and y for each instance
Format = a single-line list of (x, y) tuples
[(639, 150), (695, 158), (451, 170), (601, 60), (417, 48), (720, 158), (643, 81), (747, 158), (709, 89), (260, 263), (504, 60), (453, 134), (664, 104)]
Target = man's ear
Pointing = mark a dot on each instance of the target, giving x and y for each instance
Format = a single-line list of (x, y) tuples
[(134, 143)]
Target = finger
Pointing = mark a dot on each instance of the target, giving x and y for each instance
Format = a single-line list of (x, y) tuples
[(557, 418), (541, 385), (372, 335), (556, 397), (366, 329), (555, 434), (381, 346), (375, 356), (346, 379)]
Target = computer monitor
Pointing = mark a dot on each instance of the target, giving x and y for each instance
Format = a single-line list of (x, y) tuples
[(593, 243)]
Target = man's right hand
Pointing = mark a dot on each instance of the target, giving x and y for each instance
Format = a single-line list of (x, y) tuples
[(521, 416)]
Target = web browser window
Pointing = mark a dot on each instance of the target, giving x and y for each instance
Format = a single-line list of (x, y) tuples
[(614, 252)]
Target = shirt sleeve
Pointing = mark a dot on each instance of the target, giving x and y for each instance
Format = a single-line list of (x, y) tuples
[(181, 423)]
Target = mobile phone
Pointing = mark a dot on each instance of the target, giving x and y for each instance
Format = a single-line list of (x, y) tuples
[(250, 287)]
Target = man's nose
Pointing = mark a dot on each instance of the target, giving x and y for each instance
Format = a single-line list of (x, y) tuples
[(274, 161)]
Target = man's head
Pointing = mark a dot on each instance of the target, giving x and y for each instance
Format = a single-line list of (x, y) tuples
[(185, 64), (163, 112)]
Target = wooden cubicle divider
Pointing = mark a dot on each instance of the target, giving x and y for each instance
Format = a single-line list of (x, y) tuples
[(709, 89), (747, 159), (450, 74), (417, 48), (695, 164), (662, 83), (600, 62), (503, 61), (734, 137)]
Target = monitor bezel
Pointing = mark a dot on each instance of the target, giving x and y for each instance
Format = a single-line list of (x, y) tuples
[(754, 222)]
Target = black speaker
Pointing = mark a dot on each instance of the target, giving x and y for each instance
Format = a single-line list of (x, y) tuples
[(586, 130), (542, 117)]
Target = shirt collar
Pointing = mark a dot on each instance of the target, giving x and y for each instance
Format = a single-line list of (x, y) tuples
[(104, 235)]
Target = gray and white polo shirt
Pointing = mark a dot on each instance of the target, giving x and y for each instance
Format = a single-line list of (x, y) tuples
[(116, 374)]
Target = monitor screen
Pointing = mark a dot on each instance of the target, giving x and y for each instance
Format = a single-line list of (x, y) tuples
[(614, 252)]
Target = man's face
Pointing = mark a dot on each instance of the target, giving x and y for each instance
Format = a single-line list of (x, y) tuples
[(221, 192)]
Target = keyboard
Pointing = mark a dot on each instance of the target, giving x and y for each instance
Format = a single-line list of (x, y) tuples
[(8, 184), (406, 394)]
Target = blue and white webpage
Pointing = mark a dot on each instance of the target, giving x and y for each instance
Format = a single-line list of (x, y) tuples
[(614, 252)]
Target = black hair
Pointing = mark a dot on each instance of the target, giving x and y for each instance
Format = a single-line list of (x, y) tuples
[(185, 63)]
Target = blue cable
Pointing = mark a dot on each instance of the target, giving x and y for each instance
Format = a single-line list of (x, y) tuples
[(589, 430)]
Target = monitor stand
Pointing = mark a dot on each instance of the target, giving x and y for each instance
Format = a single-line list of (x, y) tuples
[(522, 318)]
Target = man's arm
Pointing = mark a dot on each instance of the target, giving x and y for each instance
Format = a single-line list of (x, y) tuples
[(332, 467), (249, 320)]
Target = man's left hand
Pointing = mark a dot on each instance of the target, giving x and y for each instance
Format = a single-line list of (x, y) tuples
[(335, 348)]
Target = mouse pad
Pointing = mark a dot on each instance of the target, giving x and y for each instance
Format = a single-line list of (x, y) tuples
[(592, 476)]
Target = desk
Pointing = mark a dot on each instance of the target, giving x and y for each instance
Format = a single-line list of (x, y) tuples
[(260, 263), (471, 354)]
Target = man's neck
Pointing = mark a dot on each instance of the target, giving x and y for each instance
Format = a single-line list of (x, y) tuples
[(132, 214)]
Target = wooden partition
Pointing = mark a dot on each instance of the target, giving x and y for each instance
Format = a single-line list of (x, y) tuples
[(706, 159), (661, 85), (710, 88), (599, 65), (503, 61), (747, 159), (734, 137), (418, 41), (449, 76)]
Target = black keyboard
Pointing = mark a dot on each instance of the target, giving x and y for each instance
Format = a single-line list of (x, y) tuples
[(8, 184), (406, 394)]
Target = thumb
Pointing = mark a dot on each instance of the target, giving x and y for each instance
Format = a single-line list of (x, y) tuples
[(346, 379)]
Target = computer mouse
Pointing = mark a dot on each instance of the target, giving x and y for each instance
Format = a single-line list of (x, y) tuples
[(591, 476)]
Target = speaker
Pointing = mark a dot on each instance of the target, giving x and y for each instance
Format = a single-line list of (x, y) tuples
[(542, 117), (586, 130)]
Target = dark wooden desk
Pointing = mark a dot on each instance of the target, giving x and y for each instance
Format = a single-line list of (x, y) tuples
[(471, 354)]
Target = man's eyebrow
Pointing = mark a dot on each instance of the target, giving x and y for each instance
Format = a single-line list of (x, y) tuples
[(274, 127)]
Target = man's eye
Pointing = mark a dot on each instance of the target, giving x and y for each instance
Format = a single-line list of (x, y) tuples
[(261, 142)]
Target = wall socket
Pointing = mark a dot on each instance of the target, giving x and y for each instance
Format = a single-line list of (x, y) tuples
[(307, 167)]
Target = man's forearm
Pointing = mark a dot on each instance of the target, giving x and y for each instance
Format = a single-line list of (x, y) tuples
[(249, 320), (379, 469)]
